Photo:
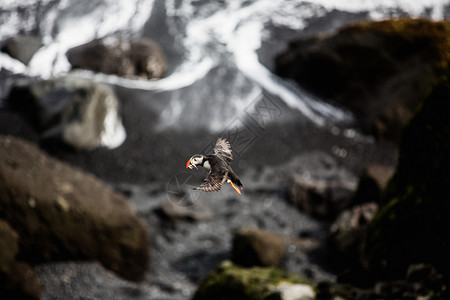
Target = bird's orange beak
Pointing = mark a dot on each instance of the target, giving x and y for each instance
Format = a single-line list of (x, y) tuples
[(235, 187), (188, 163)]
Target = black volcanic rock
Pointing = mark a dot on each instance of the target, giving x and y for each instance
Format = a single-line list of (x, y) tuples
[(380, 70)]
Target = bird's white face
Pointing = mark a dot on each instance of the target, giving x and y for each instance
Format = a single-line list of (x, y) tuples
[(194, 161)]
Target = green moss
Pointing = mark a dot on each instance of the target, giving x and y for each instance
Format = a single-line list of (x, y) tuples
[(229, 281)]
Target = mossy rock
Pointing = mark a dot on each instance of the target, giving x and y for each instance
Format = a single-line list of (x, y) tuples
[(412, 224), (229, 281), (379, 70)]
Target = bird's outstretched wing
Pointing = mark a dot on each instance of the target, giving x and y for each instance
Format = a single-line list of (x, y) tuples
[(213, 182), (223, 150)]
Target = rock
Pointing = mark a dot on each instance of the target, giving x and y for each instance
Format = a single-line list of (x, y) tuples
[(372, 183), (17, 279), (147, 58), (410, 225), (379, 70), (321, 197), (292, 292), (22, 283), (22, 47), (420, 272), (130, 58), (61, 213), (428, 284), (346, 240), (256, 247), (232, 282), (81, 113), (197, 212), (8, 247), (356, 217)]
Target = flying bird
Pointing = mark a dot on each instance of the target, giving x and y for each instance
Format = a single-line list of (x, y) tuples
[(218, 165)]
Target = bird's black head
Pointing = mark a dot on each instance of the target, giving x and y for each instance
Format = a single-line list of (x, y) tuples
[(196, 160)]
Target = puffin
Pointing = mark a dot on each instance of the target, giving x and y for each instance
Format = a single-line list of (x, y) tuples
[(218, 165)]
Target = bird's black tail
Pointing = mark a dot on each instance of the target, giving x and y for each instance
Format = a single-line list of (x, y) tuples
[(234, 178)]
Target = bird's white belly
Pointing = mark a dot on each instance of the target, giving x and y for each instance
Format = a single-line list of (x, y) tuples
[(207, 166)]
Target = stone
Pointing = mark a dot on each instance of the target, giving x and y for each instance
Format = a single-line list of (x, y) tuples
[(228, 281), (22, 47), (17, 279), (372, 183), (147, 58), (9, 246), (321, 197), (356, 217), (256, 247), (81, 113), (61, 213), (419, 272), (253, 247), (409, 227), (347, 233), (21, 283), (292, 292), (379, 70), (130, 58)]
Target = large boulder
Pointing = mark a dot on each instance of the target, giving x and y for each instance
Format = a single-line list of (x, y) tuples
[(61, 213), (411, 225), (380, 70), (232, 282), (130, 58), (81, 113), (22, 47)]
